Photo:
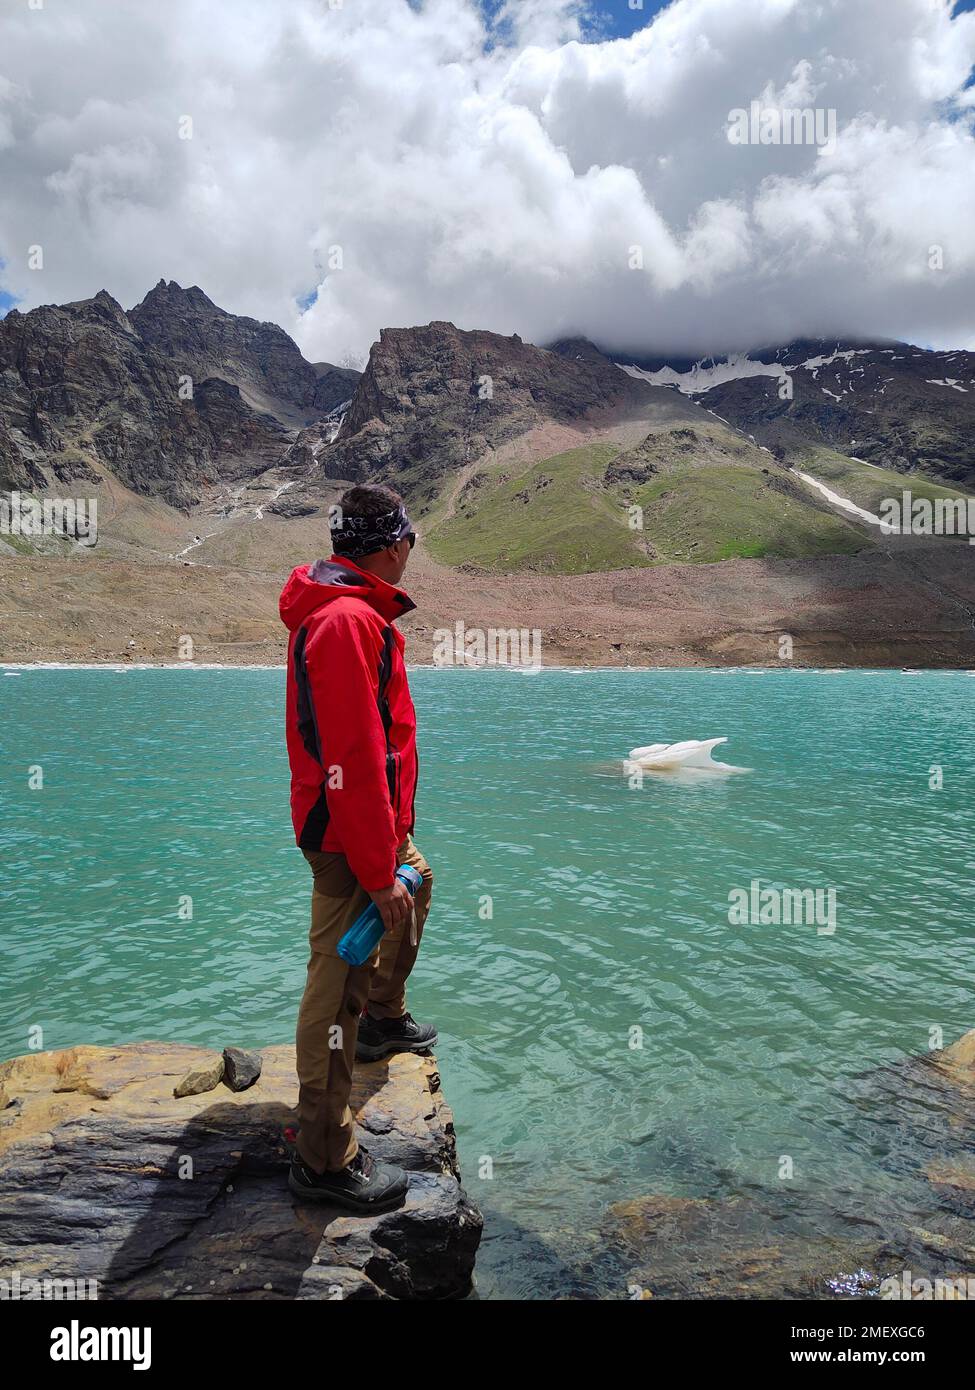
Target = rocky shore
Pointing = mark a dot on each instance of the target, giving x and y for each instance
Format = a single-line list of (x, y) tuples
[(159, 1170), (913, 608), (107, 1174)]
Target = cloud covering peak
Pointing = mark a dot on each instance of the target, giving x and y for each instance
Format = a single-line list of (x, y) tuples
[(341, 167)]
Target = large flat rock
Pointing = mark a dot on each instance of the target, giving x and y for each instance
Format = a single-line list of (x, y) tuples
[(105, 1174)]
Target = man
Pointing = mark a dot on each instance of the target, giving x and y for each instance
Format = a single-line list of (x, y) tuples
[(351, 731)]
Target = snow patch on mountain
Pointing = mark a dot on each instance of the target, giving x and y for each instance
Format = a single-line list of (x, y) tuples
[(948, 381), (701, 377), (845, 355), (837, 500)]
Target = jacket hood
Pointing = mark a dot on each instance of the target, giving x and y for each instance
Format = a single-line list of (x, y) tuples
[(311, 586)]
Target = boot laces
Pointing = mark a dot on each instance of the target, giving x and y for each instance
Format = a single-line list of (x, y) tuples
[(362, 1163)]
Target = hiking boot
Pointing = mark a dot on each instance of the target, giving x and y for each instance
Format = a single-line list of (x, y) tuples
[(380, 1036), (364, 1185)]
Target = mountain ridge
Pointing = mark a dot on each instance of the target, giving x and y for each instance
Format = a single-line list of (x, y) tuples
[(170, 397), (186, 326), (630, 520), (437, 396), (885, 399), (510, 455)]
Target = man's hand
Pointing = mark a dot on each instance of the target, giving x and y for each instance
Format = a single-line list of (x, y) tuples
[(394, 904)]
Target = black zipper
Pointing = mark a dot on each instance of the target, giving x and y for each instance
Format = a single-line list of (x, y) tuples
[(416, 783), (393, 779)]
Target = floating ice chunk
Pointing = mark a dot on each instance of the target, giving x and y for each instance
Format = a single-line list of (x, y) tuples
[(674, 757)]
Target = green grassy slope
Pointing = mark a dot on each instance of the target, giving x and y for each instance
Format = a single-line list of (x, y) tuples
[(705, 493), (555, 515), (729, 512)]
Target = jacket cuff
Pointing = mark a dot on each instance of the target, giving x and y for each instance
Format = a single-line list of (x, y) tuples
[(372, 877)]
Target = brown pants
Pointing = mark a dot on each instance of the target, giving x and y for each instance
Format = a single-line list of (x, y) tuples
[(335, 994)]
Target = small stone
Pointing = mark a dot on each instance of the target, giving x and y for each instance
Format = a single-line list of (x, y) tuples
[(201, 1079), (241, 1069)]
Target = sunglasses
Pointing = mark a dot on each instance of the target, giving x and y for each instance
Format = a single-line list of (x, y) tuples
[(411, 537)]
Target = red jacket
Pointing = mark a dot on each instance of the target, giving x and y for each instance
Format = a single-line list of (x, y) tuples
[(351, 725)]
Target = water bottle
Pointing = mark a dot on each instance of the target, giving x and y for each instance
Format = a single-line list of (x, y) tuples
[(359, 942)]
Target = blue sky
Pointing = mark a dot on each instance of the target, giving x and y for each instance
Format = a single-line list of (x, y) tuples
[(614, 19), (621, 20)]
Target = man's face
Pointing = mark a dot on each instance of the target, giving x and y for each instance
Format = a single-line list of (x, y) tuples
[(401, 553)]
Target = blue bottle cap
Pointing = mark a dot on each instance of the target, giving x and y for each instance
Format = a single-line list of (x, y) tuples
[(410, 876)]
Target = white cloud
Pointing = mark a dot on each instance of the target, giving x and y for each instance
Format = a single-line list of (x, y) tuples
[(496, 179)]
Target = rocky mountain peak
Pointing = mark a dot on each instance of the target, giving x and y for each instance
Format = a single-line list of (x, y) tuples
[(169, 297), (435, 397), (85, 386), (101, 308), (577, 350), (204, 341)]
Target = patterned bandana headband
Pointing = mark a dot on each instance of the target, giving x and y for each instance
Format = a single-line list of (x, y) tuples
[(362, 535)]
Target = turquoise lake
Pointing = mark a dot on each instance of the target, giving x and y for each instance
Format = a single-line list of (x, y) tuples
[(610, 913)]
